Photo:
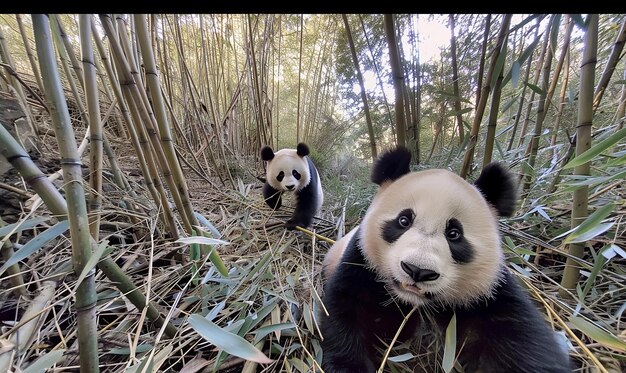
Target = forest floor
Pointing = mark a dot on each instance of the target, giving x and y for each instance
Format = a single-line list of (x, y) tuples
[(270, 296)]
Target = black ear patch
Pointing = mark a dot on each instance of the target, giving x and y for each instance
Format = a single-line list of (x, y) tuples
[(499, 188), (302, 149), (391, 165), (267, 154)]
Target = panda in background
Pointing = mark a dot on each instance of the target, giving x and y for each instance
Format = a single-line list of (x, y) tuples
[(291, 170), (430, 240)]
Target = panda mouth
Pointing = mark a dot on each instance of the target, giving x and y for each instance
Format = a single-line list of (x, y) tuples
[(414, 289)]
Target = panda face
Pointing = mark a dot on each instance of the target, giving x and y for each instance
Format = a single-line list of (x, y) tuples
[(432, 237), (287, 171)]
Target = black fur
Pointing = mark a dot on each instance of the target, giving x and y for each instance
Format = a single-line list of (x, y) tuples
[(499, 188), (391, 165), (302, 149), (267, 154), (460, 249), (306, 202), (272, 196), (507, 334), (360, 312), (392, 230), (503, 334)]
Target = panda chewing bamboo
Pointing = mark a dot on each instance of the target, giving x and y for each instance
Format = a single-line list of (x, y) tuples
[(430, 240), (292, 170)]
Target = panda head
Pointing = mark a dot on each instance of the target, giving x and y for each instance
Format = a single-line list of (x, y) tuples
[(433, 237), (287, 169)]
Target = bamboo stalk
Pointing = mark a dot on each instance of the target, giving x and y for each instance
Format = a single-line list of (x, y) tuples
[(77, 210), (55, 202), (13, 272), (167, 143), (29, 52), (583, 134), (482, 104), (95, 126)]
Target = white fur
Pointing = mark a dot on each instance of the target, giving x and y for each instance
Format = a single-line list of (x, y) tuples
[(435, 196), (287, 160)]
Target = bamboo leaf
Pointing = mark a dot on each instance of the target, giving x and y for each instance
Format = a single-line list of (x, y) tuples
[(263, 331), (201, 240), (597, 266), (590, 153), (449, 352), (44, 362), (515, 69), (598, 334), (402, 358), (229, 342), (126, 350), (36, 243), (591, 225), (93, 260), (206, 223), (21, 225), (537, 90), (554, 32), (499, 65)]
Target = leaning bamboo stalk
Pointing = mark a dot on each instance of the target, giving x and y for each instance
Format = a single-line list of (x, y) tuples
[(22, 337), (128, 70), (154, 85), (138, 132), (614, 57), (583, 143), (55, 202), (86, 296), (69, 50), (542, 107), (482, 104), (29, 52), (95, 125), (16, 84), (621, 109), (13, 272), (494, 108)]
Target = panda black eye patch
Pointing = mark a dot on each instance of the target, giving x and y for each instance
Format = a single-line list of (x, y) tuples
[(394, 228), (280, 176), (296, 174), (460, 248)]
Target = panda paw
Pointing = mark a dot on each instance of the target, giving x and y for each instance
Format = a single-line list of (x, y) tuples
[(292, 224)]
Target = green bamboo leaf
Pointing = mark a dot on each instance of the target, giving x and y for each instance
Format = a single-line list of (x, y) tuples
[(462, 111), (214, 257), (597, 266), (621, 81), (515, 69), (263, 331), (93, 260), (598, 334), (586, 236), (449, 352), (401, 358), (554, 32), (229, 342), (537, 90), (44, 362), (21, 225), (126, 350), (590, 224), (36, 243), (590, 153), (206, 223)]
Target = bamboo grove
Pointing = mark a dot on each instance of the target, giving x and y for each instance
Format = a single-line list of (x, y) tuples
[(132, 231)]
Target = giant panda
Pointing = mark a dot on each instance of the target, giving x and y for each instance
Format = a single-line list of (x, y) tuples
[(430, 240), (292, 170)]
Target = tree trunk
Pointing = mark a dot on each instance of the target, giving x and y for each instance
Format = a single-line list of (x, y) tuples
[(398, 79)]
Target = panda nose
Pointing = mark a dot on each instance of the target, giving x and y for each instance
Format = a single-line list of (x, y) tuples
[(290, 187), (418, 274)]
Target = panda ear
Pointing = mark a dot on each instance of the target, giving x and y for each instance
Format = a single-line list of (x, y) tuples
[(267, 154), (302, 149), (498, 187), (391, 165)]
